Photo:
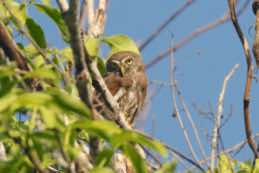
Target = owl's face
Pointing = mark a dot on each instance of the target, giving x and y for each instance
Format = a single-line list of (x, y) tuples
[(124, 63)]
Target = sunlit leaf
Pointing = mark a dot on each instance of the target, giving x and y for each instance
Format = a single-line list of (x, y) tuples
[(92, 45), (18, 10), (42, 73), (128, 136), (101, 170), (120, 43), (225, 164), (36, 32), (102, 128)]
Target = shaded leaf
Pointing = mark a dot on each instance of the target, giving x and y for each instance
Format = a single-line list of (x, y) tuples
[(104, 157), (56, 17), (69, 103), (36, 32)]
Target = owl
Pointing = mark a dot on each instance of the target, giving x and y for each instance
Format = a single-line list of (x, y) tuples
[(126, 79)]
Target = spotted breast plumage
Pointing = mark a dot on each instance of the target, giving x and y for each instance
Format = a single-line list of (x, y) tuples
[(127, 82)]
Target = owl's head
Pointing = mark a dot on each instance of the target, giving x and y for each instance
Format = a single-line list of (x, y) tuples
[(124, 63)]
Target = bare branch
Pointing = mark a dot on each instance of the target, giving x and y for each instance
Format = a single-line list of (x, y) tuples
[(193, 125), (155, 33), (256, 39), (217, 121), (191, 36), (10, 48), (249, 77), (176, 110)]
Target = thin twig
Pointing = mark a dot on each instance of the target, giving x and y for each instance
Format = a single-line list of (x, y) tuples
[(249, 77), (197, 32), (155, 33), (193, 125), (176, 110), (217, 121)]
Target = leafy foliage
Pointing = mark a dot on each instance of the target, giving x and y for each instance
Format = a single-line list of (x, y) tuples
[(43, 128)]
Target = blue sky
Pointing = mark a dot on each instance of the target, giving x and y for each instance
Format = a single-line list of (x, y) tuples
[(201, 65)]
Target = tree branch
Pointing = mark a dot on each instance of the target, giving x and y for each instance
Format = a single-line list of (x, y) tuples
[(155, 33), (217, 120), (192, 35), (249, 77), (10, 48)]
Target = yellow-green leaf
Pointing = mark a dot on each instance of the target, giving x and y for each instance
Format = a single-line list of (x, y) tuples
[(92, 45), (120, 43)]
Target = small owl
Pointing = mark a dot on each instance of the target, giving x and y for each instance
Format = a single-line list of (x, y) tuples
[(127, 82)]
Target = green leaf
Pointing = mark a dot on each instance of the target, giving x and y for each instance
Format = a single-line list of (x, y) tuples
[(42, 73), (36, 32), (101, 170), (120, 43), (129, 136), (256, 166), (56, 17), (46, 2), (6, 85), (7, 71), (136, 159), (19, 12), (102, 128), (225, 164), (66, 54), (69, 103), (104, 158), (92, 45), (49, 117), (101, 65), (167, 168)]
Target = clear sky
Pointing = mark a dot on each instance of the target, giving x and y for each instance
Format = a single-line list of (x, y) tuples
[(201, 65)]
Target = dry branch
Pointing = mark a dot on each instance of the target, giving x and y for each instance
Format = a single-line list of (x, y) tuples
[(176, 109), (249, 77), (155, 33), (217, 120), (256, 40), (197, 32)]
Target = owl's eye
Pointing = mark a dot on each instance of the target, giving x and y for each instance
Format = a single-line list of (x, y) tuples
[(129, 61)]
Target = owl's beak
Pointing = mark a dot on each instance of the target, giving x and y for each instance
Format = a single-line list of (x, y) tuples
[(119, 66)]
